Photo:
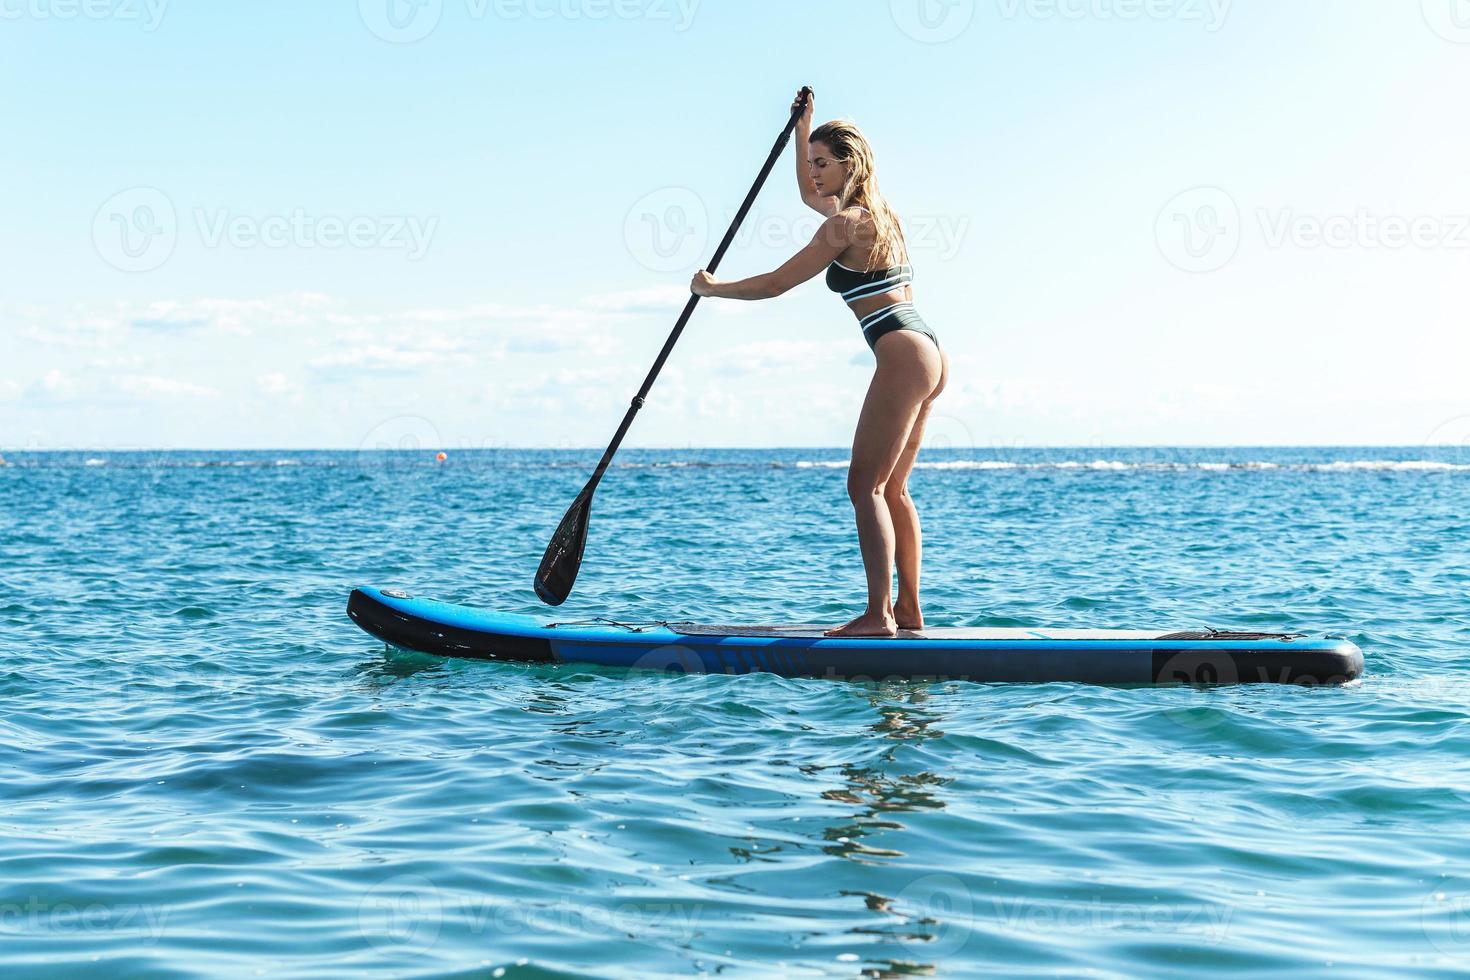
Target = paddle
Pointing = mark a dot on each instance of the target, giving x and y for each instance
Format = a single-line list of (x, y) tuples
[(563, 557)]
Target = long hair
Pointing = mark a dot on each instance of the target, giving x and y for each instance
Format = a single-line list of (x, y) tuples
[(849, 145)]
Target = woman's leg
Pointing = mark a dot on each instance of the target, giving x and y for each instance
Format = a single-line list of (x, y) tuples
[(908, 545), (909, 368)]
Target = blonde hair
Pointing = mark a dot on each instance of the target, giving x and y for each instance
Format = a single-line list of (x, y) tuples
[(850, 146)]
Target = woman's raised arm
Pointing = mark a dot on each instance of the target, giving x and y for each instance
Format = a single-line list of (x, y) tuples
[(822, 205)]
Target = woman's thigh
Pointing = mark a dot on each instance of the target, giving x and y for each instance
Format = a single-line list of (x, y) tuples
[(898, 479), (909, 370)]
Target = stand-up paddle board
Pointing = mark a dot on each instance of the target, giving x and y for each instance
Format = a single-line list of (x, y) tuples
[(944, 653)]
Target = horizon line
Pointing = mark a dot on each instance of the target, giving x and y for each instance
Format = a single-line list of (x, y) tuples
[(841, 449)]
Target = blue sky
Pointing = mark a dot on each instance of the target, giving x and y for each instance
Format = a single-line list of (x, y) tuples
[(1134, 222)]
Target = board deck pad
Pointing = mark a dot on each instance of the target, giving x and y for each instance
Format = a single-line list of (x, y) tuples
[(811, 631)]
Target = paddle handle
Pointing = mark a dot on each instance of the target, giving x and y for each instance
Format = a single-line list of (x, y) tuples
[(663, 355)]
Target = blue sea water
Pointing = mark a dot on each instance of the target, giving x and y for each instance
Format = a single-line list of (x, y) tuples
[(206, 769)]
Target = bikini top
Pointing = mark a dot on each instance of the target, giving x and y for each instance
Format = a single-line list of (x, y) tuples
[(855, 285)]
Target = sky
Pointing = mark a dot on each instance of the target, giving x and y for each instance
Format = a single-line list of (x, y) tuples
[(472, 223)]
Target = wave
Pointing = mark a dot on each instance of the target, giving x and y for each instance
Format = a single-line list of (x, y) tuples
[(527, 461)]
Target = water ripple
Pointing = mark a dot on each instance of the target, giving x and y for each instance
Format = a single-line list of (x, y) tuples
[(205, 764)]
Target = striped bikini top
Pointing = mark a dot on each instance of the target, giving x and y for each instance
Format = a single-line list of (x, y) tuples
[(855, 285)]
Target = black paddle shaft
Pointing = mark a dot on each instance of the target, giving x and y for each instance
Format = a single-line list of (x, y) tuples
[(714, 264), (563, 557)]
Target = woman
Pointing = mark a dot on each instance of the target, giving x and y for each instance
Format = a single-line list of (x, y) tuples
[(862, 233)]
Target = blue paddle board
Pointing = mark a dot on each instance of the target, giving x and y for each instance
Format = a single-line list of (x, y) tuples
[(943, 653)]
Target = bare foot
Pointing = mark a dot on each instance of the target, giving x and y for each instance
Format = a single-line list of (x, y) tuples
[(868, 624), (908, 617)]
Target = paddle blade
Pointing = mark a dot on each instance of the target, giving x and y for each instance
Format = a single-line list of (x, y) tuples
[(563, 558)]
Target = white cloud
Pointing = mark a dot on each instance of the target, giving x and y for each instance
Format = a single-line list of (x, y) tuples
[(76, 333), (519, 366), (58, 384), (274, 383), (277, 386), (385, 358), (93, 330), (561, 380), (770, 356), (244, 317), (582, 391), (653, 299), (479, 311), (153, 386), (116, 362)]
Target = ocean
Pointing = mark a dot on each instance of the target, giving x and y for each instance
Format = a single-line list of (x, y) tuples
[(207, 769)]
